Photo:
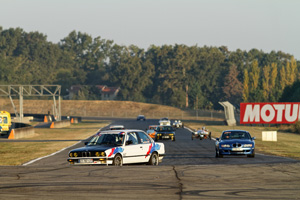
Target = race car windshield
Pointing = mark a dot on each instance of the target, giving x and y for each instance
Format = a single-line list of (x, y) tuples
[(107, 139), (235, 135), (116, 128), (164, 129)]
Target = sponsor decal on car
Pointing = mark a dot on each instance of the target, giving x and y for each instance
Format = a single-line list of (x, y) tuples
[(115, 150), (152, 147)]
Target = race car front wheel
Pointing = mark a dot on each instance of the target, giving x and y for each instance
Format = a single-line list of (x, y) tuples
[(218, 155), (251, 155), (118, 161)]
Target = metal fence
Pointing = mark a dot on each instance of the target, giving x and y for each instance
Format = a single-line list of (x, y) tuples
[(114, 113)]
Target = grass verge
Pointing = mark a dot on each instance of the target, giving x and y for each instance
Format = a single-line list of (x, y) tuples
[(17, 153), (287, 144)]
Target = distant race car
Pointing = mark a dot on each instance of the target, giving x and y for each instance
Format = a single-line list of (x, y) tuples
[(153, 127), (165, 132), (151, 133), (235, 142), (201, 134), (164, 121), (115, 147), (141, 117), (116, 127), (178, 124)]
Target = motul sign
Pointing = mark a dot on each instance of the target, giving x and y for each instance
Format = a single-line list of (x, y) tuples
[(269, 113)]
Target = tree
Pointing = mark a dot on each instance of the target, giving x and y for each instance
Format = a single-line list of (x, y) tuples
[(291, 93), (88, 55), (246, 86), (254, 75), (283, 81), (265, 82), (131, 70), (273, 82), (233, 88), (207, 70)]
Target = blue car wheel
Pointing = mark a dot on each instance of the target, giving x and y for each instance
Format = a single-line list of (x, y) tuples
[(251, 155), (218, 155)]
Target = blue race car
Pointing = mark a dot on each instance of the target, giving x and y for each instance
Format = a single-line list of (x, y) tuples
[(235, 142)]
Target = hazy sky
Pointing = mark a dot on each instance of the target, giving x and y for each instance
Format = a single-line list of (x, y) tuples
[(238, 24)]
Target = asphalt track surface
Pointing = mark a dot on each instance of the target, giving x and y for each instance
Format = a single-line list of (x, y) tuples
[(188, 171)]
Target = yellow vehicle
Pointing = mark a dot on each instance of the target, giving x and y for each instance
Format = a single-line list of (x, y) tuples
[(5, 121)]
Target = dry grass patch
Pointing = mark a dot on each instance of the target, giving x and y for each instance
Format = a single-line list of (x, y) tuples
[(17, 153), (287, 144)]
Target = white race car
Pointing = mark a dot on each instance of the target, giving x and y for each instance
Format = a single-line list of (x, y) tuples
[(201, 134), (118, 147), (116, 127), (178, 124), (164, 121)]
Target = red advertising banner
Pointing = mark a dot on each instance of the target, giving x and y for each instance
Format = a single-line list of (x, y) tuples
[(269, 113)]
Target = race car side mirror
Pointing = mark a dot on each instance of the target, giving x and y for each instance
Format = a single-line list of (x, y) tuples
[(218, 139), (254, 138)]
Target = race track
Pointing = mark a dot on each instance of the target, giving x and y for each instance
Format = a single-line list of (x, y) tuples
[(188, 171)]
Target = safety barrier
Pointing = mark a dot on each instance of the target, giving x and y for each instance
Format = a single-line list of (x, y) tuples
[(23, 132), (60, 124)]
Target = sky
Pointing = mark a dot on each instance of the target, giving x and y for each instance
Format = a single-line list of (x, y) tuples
[(265, 25)]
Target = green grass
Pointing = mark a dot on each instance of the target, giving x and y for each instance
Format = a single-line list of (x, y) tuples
[(287, 144), (17, 153)]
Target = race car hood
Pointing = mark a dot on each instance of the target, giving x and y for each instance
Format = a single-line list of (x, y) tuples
[(92, 148), (233, 141), (166, 132)]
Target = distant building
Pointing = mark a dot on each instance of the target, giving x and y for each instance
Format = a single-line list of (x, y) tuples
[(107, 93)]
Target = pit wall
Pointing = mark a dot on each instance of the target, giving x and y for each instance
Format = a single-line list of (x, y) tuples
[(60, 124), (21, 133)]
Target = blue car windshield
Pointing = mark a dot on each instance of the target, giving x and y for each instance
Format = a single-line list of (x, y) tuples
[(107, 139), (231, 135)]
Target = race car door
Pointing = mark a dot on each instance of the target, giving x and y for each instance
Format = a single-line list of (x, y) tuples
[(146, 143), (133, 151)]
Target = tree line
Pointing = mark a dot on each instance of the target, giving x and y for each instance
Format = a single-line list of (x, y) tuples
[(177, 75)]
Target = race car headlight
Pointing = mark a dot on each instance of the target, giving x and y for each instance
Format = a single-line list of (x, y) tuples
[(73, 154), (225, 145), (247, 145), (98, 154)]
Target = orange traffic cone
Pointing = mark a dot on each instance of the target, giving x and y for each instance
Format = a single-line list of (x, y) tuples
[(52, 125), (45, 119), (72, 120), (12, 134)]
